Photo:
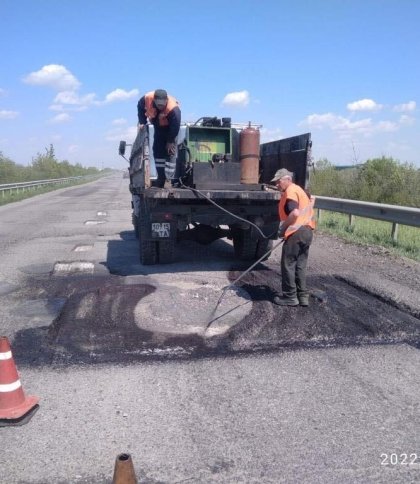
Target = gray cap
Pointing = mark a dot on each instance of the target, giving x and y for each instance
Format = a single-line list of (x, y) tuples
[(160, 95), (281, 173)]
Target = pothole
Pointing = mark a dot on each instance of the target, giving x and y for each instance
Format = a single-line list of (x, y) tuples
[(192, 309)]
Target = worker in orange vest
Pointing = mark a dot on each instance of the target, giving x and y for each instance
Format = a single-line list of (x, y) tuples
[(297, 224), (164, 113)]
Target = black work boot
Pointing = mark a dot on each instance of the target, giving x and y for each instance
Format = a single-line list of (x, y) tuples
[(304, 300), (285, 301)]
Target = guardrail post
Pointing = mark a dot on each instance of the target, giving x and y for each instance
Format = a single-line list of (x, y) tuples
[(394, 232), (351, 219), (319, 215)]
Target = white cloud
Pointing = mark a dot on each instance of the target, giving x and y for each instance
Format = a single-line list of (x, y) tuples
[(73, 148), (345, 127), (364, 105), (336, 123), (61, 118), (270, 134), (72, 101), (67, 107), (319, 120), (410, 106), (56, 107), (128, 134), (238, 98), (73, 98), (53, 75), (119, 122), (406, 120), (120, 95), (386, 126), (8, 114)]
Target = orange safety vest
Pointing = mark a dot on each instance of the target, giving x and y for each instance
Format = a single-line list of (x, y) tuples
[(305, 207), (152, 112)]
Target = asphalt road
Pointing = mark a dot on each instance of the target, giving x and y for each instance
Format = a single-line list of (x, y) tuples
[(134, 359)]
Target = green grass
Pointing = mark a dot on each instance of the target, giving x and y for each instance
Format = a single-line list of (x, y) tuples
[(366, 231), (10, 197)]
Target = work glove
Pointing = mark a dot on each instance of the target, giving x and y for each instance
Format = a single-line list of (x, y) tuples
[(139, 127), (171, 148)]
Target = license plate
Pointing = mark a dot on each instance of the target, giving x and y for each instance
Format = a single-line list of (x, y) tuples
[(161, 229)]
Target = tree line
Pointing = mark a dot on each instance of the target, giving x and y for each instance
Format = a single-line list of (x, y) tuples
[(380, 180), (44, 166)]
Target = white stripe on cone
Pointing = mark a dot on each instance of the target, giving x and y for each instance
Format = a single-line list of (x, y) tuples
[(6, 356), (10, 387)]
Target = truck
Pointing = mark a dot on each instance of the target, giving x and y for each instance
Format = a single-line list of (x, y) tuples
[(222, 188)]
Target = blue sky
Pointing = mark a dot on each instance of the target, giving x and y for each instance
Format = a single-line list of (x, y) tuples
[(72, 71)]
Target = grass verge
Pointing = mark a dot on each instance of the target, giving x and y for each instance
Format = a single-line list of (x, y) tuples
[(366, 231)]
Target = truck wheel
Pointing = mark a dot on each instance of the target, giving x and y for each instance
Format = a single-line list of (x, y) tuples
[(245, 247), (147, 248), (148, 252), (263, 246), (166, 249)]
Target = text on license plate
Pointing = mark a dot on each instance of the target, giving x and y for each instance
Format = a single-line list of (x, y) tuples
[(161, 229)]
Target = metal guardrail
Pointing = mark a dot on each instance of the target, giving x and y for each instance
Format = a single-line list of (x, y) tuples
[(22, 186), (379, 211)]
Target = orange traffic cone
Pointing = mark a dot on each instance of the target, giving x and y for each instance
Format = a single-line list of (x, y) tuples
[(15, 408), (124, 470)]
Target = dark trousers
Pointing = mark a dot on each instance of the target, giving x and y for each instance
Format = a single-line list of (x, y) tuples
[(294, 258), (169, 171), (160, 181)]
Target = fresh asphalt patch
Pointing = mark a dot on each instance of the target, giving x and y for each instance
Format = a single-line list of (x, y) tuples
[(339, 314), (108, 318)]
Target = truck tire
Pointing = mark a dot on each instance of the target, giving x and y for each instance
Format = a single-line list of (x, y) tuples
[(147, 248), (263, 246), (166, 249), (148, 252), (244, 245)]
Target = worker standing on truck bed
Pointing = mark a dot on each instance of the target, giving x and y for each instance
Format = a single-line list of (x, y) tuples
[(164, 113), (296, 227)]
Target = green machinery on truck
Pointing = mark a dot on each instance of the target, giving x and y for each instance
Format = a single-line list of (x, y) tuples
[(223, 191)]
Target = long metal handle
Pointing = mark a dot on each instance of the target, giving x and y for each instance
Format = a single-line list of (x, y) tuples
[(253, 265)]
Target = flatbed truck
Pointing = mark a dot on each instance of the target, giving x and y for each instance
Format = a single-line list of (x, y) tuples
[(221, 190)]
